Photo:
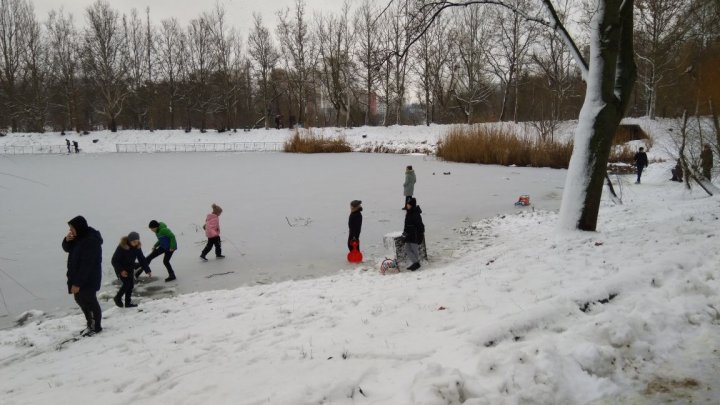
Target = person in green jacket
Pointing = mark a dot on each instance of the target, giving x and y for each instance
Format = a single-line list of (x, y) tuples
[(166, 244)]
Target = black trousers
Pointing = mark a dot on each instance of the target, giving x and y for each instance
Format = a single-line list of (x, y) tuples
[(86, 298), (166, 259), (128, 283), (350, 239), (210, 243)]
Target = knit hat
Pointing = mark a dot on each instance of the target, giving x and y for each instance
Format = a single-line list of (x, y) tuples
[(355, 203), (153, 224), (80, 224), (216, 209), (133, 236)]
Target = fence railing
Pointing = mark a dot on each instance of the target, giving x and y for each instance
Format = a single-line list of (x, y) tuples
[(199, 147), (151, 148), (32, 149)]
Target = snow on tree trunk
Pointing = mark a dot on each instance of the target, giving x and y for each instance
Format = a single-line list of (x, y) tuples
[(610, 79)]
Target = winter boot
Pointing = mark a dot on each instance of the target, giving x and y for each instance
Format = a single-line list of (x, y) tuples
[(171, 277), (118, 302), (414, 266), (220, 256), (203, 258), (130, 305)]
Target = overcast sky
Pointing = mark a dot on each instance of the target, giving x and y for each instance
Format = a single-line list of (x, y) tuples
[(239, 12)]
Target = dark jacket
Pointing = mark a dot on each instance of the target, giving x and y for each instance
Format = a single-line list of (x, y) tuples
[(125, 256), (355, 224), (641, 159), (706, 157), (84, 262), (414, 229)]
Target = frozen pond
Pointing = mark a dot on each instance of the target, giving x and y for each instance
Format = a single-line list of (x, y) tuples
[(285, 215)]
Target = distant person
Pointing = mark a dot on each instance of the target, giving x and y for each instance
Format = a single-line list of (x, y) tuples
[(212, 231), (409, 185), (128, 257), (67, 142), (354, 223), (76, 146), (641, 162), (706, 161), (677, 172), (165, 245), (413, 233), (84, 270)]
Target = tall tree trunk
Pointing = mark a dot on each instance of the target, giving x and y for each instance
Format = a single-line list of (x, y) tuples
[(611, 77)]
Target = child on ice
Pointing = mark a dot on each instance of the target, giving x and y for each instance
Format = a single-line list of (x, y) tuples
[(212, 231)]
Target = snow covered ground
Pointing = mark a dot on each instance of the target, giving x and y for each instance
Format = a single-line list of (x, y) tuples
[(518, 313)]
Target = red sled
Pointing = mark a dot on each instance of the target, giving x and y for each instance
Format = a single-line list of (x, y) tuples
[(355, 256)]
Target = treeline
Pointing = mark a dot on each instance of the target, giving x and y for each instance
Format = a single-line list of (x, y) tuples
[(353, 67)]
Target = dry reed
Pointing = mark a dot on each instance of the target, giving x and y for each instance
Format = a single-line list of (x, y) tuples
[(501, 146), (309, 142)]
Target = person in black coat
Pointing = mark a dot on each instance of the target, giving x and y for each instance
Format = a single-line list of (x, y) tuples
[(354, 223), (124, 263), (413, 233), (641, 162), (84, 271)]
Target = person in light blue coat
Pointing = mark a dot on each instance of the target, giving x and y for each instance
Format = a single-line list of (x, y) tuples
[(409, 185)]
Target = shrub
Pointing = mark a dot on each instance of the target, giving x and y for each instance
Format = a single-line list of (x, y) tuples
[(308, 142), (622, 154), (499, 145)]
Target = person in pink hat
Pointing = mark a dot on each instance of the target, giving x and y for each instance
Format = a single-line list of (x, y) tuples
[(212, 231)]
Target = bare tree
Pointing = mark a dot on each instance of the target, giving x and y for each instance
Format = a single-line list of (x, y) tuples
[(36, 67), (265, 57), (366, 53), (200, 65), (661, 27), (508, 53), (431, 56), (335, 42), (554, 60), (610, 76), (470, 40), (65, 60), (14, 15), (298, 49), (170, 44), (139, 70), (105, 60), (396, 32), (228, 54)]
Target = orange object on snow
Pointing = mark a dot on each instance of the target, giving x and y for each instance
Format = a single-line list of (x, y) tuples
[(523, 200), (355, 256)]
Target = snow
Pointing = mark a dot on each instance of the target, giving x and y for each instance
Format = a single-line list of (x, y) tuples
[(518, 313)]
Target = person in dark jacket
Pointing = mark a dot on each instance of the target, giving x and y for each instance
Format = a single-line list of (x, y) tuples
[(413, 232), (354, 223), (165, 245), (706, 162), (641, 162), (677, 172), (84, 270), (124, 263)]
